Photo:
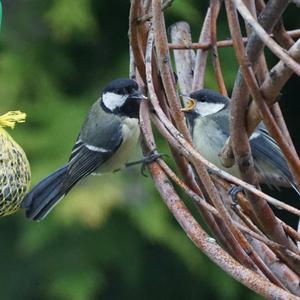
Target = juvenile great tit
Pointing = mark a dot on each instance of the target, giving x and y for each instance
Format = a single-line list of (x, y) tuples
[(106, 139), (207, 113)]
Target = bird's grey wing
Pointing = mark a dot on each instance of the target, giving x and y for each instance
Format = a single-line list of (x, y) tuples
[(269, 159), (90, 152)]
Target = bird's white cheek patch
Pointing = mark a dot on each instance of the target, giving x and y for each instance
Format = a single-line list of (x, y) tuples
[(205, 109), (113, 101)]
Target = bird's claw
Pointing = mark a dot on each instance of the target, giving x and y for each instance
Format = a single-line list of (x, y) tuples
[(152, 156)]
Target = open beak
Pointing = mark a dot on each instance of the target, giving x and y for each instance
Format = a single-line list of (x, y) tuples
[(190, 105)]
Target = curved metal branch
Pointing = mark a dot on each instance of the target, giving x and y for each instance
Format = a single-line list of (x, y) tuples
[(265, 38), (243, 230), (242, 147), (222, 44)]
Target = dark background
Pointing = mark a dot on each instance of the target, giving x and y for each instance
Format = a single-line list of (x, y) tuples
[(112, 237)]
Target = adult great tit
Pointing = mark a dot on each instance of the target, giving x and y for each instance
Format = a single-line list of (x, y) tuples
[(106, 139), (207, 113)]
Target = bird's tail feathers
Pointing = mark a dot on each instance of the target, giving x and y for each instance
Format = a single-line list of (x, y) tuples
[(45, 195)]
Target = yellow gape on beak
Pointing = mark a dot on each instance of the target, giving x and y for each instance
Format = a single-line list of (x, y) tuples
[(190, 105)]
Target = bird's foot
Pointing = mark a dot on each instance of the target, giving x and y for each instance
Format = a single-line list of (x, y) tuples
[(233, 191), (148, 159), (152, 156)]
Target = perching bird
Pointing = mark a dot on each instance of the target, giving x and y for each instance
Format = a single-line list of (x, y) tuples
[(14, 166), (105, 142), (207, 113)]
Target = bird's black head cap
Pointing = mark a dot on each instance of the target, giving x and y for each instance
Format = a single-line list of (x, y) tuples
[(209, 96), (122, 97), (121, 86)]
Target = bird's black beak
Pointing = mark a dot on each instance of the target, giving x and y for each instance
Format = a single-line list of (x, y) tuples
[(190, 106), (138, 95)]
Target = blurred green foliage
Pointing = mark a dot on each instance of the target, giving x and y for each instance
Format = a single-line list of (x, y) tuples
[(112, 237)]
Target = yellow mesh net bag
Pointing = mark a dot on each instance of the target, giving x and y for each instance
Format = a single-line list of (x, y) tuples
[(14, 167)]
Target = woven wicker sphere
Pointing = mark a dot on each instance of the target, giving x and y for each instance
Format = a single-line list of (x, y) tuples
[(14, 174)]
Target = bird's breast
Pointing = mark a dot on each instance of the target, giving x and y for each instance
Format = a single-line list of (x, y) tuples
[(130, 133), (208, 140)]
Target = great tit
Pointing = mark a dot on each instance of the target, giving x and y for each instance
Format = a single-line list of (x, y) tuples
[(106, 139), (207, 113)]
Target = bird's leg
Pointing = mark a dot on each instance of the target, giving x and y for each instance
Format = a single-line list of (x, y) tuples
[(152, 156)]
